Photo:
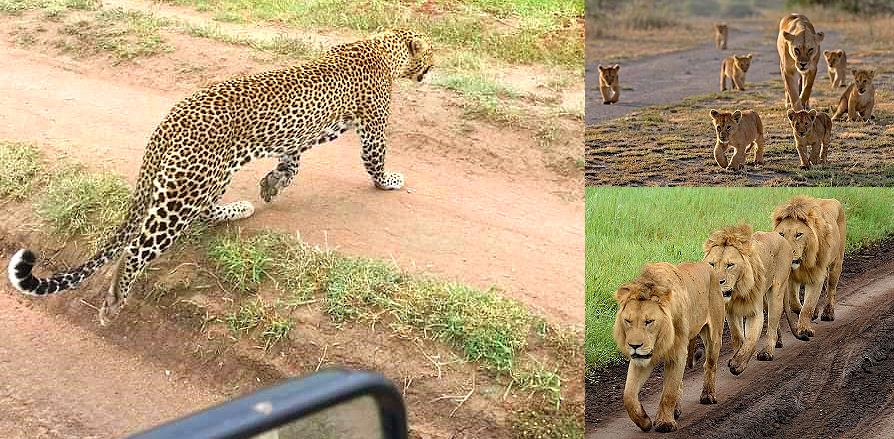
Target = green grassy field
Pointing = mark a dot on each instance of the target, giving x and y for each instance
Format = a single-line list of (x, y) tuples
[(627, 227)]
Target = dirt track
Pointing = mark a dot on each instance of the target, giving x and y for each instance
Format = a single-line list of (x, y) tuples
[(670, 77), (59, 381), (839, 384)]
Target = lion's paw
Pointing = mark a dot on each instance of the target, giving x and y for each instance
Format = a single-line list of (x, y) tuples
[(828, 313), (765, 356), (665, 426)]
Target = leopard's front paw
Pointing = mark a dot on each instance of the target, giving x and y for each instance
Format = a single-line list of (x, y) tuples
[(110, 309), (390, 181), (273, 183)]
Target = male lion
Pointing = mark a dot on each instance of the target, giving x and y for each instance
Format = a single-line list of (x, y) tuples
[(813, 131), (737, 130), (858, 99), (798, 45), (659, 312), (734, 67), (609, 84), (837, 62), (752, 269), (721, 34), (816, 230)]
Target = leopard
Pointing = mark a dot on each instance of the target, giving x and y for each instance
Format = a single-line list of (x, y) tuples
[(207, 137)]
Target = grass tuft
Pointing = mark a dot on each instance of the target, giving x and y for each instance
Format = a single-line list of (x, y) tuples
[(85, 204), (20, 163), (242, 263), (125, 34)]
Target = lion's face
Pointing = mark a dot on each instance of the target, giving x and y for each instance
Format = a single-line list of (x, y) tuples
[(803, 47), (729, 266), (744, 62), (802, 121), (726, 124), (833, 57), (799, 236), (641, 323), (863, 79), (721, 28), (609, 74)]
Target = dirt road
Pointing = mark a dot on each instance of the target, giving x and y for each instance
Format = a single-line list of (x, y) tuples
[(59, 381), (670, 77), (454, 219), (839, 384)]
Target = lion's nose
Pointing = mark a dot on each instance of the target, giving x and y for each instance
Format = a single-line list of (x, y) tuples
[(635, 346), (803, 65)]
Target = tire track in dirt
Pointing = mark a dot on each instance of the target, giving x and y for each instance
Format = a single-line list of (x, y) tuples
[(454, 220), (841, 383), (671, 77)]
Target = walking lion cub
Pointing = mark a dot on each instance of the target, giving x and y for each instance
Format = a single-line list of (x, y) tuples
[(609, 84), (813, 134), (721, 34), (734, 67), (738, 131), (837, 62), (858, 99)]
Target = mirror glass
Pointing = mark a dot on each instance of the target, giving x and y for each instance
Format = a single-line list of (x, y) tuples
[(354, 419)]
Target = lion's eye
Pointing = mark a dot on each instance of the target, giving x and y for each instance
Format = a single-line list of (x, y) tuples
[(782, 234), (809, 51), (649, 322), (627, 321), (711, 264), (730, 265), (798, 235)]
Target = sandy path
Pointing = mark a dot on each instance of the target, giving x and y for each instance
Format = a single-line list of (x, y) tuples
[(60, 381), (456, 220), (670, 77), (844, 388)]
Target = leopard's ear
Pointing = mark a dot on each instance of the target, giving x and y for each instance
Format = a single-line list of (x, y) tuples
[(417, 45)]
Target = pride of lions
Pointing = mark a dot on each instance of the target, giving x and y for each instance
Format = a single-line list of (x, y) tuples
[(798, 44), (742, 275)]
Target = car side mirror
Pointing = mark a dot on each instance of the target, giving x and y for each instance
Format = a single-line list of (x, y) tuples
[(333, 403)]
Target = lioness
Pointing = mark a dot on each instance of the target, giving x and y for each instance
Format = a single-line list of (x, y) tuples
[(798, 45), (816, 230), (609, 84), (721, 34), (737, 130), (752, 269), (858, 99), (813, 131), (837, 62), (734, 67), (658, 313)]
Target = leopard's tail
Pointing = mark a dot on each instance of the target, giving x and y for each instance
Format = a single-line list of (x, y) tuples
[(22, 263)]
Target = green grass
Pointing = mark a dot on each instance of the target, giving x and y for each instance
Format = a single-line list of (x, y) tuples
[(539, 31), (537, 424), (78, 203), (20, 163), (627, 227), (483, 325)]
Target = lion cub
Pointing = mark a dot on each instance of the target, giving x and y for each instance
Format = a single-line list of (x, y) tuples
[(812, 130), (609, 84), (859, 98), (738, 130), (721, 34), (837, 62), (734, 67)]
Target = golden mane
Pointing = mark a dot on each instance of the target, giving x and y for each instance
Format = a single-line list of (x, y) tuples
[(753, 282)]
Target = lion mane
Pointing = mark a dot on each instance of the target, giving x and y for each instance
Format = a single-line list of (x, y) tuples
[(817, 254), (753, 282), (656, 282)]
